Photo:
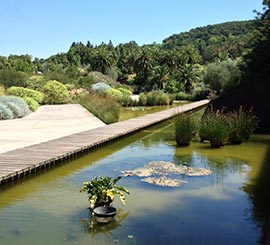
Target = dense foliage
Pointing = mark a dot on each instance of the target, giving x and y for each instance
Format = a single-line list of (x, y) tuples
[(193, 65)]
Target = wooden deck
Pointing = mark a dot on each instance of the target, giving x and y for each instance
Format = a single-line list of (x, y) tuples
[(23, 161)]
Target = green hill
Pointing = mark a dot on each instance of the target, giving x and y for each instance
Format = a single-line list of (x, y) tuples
[(232, 38)]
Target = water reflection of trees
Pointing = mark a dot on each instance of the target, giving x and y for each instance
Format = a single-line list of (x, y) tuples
[(258, 190), (92, 227)]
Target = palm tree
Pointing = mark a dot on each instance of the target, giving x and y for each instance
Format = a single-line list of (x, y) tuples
[(189, 76), (102, 60), (143, 62), (161, 75)]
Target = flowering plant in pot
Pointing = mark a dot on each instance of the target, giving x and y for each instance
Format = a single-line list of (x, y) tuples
[(102, 190)]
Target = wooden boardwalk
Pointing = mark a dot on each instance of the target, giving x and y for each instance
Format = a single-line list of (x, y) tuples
[(18, 163)]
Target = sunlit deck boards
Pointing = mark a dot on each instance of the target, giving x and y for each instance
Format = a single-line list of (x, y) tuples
[(20, 162)]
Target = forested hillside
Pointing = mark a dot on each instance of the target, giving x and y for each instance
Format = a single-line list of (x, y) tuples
[(230, 38)]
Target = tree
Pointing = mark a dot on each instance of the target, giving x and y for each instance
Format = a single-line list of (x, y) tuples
[(161, 75), (102, 60), (188, 76), (258, 60), (222, 76)]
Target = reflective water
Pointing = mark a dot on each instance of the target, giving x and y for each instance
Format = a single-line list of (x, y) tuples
[(231, 206)]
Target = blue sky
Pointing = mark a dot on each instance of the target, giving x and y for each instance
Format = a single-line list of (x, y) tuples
[(43, 28)]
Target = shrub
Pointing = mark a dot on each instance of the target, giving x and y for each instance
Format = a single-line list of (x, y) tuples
[(5, 112), (10, 77), (99, 77), (32, 104), (142, 99), (115, 93), (215, 127), (242, 124), (181, 96), (13, 107), (124, 91), (126, 100), (199, 93), (100, 87), (157, 98), (26, 92), (222, 76), (105, 108), (55, 93), (185, 127), (35, 82)]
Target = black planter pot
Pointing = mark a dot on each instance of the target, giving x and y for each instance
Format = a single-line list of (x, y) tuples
[(104, 214)]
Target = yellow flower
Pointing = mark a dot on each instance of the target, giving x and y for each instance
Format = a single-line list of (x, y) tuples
[(110, 194)]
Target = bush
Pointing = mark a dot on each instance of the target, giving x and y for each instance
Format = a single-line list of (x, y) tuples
[(199, 93), (55, 93), (35, 82), (5, 112), (100, 87), (242, 124), (99, 77), (115, 93), (26, 92), (126, 100), (105, 108), (10, 77), (124, 91), (157, 98), (185, 127), (12, 107), (32, 104), (222, 76), (174, 87), (181, 96), (215, 127), (142, 99)]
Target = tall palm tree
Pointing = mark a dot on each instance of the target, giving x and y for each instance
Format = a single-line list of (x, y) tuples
[(161, 75), (189, 76), (143, 62), (102, 60)]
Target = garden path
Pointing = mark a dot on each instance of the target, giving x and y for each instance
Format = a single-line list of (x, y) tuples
[(47, 123)]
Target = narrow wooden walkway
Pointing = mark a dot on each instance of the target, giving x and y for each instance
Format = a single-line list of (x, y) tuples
[(23, 161)]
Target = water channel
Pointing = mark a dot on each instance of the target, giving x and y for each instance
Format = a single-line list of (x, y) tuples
[(229, 206)]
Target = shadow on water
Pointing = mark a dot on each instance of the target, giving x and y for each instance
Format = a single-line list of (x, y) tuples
[(258, 190)]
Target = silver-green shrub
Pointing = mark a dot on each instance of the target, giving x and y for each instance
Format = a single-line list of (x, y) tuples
[(100, 87), (12, 107)]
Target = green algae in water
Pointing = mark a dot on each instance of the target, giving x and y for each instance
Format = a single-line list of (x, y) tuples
[(227, 207)]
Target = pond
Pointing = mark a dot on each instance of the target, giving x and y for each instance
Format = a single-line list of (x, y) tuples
[(229, 206), (137, 111)]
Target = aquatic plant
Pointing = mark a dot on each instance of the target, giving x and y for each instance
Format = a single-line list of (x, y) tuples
[(102, 190), (242, 124), (185, 127), (215, 127)]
